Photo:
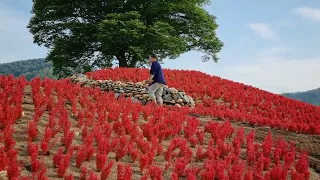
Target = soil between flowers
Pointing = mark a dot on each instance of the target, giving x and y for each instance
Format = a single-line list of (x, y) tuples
[(310, 142)]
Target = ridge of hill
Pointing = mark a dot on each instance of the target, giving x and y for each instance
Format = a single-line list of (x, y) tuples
[(311, 96), (29, 68), (59, 129)]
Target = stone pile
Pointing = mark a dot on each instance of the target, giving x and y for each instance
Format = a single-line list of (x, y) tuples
[(136, 91)]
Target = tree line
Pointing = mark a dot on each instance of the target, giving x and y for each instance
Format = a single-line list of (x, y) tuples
[(311, 96), (29, 68)]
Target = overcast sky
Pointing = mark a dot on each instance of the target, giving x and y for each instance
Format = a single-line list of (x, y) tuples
[(269, 44)]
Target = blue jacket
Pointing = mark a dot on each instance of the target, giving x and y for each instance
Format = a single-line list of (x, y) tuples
[(156, 70)]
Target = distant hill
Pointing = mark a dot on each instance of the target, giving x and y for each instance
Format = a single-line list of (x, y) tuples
[(30, 68), (311, 96)]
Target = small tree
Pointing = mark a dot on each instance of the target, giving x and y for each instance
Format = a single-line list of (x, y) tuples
[(82, 35)]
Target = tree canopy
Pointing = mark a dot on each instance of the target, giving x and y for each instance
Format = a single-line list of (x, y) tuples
[(82, 35)]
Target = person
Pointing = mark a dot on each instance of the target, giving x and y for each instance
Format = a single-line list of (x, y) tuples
[(156, 81)]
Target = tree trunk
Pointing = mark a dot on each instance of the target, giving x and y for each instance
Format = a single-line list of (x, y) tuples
[(122, 61), (134, 61)]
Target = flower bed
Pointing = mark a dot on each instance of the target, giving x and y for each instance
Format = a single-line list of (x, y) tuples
[(58, 129)]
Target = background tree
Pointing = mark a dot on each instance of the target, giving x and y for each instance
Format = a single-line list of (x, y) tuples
[(29, 68), (82, 35)]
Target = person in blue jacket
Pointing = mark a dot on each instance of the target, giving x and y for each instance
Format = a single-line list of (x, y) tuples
[(156, 81)]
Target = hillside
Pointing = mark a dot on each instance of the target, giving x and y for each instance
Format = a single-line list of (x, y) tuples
[(39, 68), (311, 96), (29, 68), (60, 129)]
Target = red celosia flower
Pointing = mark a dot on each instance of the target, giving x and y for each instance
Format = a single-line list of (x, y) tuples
[(174, 176), (191, 127), (83, 173), (106, 171), (208, 172), (69, 177), (93, 176), (191, 173), (120, 172), (58, 157), (127, 172), (180, 166), (249, 174), (101, 160), (144, 161), (32, 130), (267, 145)]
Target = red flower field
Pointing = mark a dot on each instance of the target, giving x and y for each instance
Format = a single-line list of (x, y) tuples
[(54, 129)]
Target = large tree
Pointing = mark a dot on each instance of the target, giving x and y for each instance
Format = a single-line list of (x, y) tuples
[(82, 35)]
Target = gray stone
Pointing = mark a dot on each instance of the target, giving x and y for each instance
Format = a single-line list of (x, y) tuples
[(81, 80), (164, 93), (134, 100), (139, 84), (137, 96), (169, 102), (139, 90), (174, 90), (186, 99), (101, 81), (144, 102), (81, 76), (129, 94), (192, 103), (171, 90), (104, 88), (167, 97), (145, 96), (179, 101), (174, 96), (180, 96)]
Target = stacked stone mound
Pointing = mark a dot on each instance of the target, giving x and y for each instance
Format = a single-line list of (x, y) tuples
[(136, 91)]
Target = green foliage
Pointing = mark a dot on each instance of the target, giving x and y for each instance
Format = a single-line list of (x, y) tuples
[(42, 73), (311, 96), (83, 35), (28, 68)]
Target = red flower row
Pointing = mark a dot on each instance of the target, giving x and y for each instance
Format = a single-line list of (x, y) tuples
[(229, 100)]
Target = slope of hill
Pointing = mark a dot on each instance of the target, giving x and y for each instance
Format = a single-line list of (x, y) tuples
[(39, 68), (311, 96), (59, 129), (29, 68)]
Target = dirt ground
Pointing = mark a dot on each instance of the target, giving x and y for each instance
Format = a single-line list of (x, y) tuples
[(312, 143)]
